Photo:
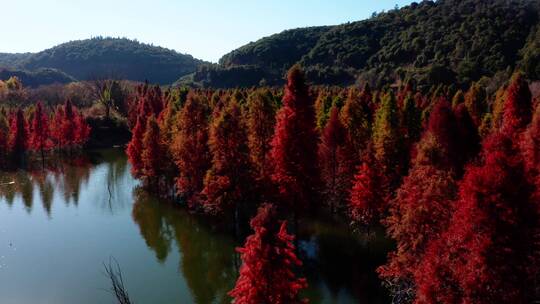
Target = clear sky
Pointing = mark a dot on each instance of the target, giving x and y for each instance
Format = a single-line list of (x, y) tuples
[(206, 29)]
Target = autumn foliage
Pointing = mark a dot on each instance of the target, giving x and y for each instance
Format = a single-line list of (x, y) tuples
[(456, 185), (268, 263), (35, 131), (294, 145)]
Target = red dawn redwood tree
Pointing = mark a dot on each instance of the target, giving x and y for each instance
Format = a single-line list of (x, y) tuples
[(4, 132), (517, 106), (423, 205), (475, 101), (468, 142), (268, 262), (57, 119), (419, 213), (294, 145), (153, 153), (336, 161), (40, 137), (18, 137), (489, 253), (260, 123), (82, 129), (365, 200), (226, 185), (135, 147), (190, 149), (530, 144), (356, 118), (388, 143), (68, 125)]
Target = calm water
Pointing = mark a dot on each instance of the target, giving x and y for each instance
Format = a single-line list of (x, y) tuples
[(57, 229)]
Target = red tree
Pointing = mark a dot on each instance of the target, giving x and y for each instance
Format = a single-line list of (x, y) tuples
[(135, 148), (190, 150), (419, 213), (365, 200), (18, 137), (68, 125), (153, 153), (294, 145), (356, 118), (268, 259), (488, 253), (227, 182), (336, 161), (82, 129), (517, 106), (442, 127), (260, 123), (468, 142), (4, 132), (40, 136)]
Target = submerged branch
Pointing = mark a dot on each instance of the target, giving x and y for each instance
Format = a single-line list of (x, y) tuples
[(113, 271)]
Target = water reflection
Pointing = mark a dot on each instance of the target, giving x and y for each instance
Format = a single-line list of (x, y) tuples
[(95, 210), (339, 266), (208, 259)]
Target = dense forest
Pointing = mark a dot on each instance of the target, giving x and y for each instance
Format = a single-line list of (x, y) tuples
[(422, 121), (36, 78), (431, 42), (452, 175), (99, 58)]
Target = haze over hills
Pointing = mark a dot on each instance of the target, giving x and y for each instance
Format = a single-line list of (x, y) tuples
[(446, 41), (107, 57)]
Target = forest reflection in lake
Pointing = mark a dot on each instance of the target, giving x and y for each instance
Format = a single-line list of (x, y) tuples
[(58, 227)]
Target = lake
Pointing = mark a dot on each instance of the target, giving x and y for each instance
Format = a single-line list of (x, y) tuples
[(58, 227)]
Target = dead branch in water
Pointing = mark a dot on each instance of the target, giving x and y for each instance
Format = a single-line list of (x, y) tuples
[(113, 271)]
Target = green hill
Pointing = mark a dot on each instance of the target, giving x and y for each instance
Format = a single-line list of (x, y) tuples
[(447, 41), (36, 78), (108, 57)]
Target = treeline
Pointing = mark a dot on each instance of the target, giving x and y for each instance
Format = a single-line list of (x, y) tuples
[(37, 133), (452, 175), (430, 42)]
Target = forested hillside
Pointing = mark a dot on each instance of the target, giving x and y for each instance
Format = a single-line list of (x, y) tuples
[(36, 78), (445, 41), (108, 58)]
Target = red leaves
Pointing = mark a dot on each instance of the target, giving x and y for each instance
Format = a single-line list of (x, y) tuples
[(419, 213), (294, 145), (190, 150), (226, 183), (336, 161), (69, 128), (365, 201), (18, 136), (517, 107), (40, 134), (153, 152), (488, 250), (268, 262), (135, 147)]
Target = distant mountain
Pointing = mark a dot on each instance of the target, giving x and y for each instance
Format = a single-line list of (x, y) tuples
[(447, 41), (13, 60), (36, 78), (108, 57)]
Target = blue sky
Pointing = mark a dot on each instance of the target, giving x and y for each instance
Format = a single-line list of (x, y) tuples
[(206, 29)]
